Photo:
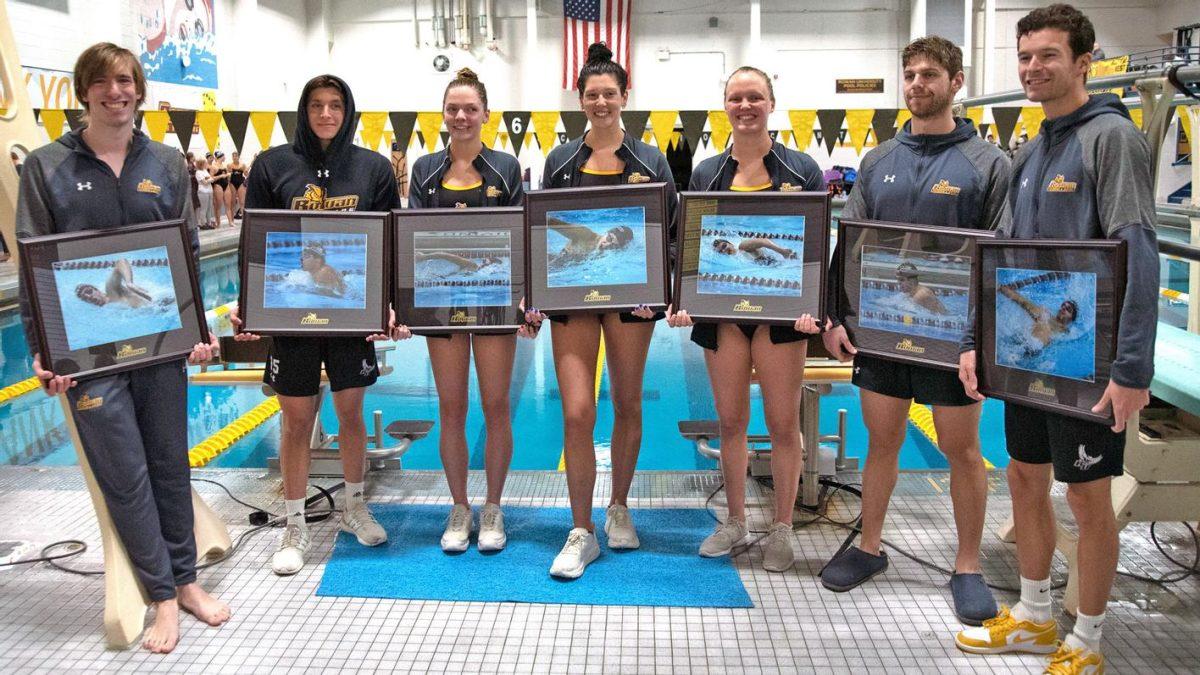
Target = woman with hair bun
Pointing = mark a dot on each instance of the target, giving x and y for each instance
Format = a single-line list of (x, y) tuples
[(605, 155), (468, 174), (753, 163)]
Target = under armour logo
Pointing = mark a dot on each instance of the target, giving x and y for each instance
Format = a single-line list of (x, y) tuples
[(1085, 461), (322, 173), (1025, 182), (566, 176), (432, 190), (83, 186), (367, 368), (889, 178)]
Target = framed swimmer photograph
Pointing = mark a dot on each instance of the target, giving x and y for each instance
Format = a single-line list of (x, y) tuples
[(906, 291), (315, 272), (460, 270), (1049, 314), (597, 249), (752, 257), (105, 301)]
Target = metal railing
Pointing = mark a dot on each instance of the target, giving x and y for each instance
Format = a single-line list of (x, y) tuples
[(1185, 74)]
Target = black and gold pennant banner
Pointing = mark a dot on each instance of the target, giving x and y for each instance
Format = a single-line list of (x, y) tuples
[(518, 130)]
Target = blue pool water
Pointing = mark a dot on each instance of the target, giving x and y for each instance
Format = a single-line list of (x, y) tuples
[(116, 320), (1071, 354), (625, 265), (761, 272), (290, 287), (909, 318), (441, 283)]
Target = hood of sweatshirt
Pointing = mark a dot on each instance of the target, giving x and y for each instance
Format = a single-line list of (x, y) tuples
[(306, 142), (932, 144)]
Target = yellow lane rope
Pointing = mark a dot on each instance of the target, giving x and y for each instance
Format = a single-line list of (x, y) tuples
[(1172, 294), (562, 459), (205, 451), (21, 388), (921, 417)]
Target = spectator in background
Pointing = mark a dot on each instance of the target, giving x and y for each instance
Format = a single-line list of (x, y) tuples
[(1097, 52)]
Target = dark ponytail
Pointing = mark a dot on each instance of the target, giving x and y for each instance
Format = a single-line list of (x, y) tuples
[(599, 62), (466, 77)]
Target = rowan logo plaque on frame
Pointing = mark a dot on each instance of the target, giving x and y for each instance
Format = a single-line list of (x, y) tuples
[(1049, 315), (597, 249), (906, 291), (752, 257), (460, 269), (314, 272), (105, 301)]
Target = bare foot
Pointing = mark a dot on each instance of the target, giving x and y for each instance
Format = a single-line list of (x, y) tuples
[(197, 602), (162, 637)]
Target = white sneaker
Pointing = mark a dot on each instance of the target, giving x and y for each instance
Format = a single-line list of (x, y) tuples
[(457, 536), (618, 525), (289, 557), (491, 528), (580, 550), (358, 521), (722, 541)]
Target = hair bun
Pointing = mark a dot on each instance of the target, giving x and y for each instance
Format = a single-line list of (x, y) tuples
[(466, 74), (598, 51)]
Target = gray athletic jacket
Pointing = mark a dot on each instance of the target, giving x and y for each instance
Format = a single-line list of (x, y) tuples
[(1087, 176), (66, 188), (951, 180)]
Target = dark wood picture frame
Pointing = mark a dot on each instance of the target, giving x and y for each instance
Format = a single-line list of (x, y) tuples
[(814, 207), (38, 256), (924, 340), (470, 318), (1051, 260), (372, 318), (598, 297)]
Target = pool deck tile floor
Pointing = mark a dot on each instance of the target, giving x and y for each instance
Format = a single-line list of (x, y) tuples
[(900, 622)]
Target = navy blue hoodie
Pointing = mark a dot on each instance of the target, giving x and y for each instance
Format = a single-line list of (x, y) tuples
[(1087, 176), (343, 177), (501, 174)]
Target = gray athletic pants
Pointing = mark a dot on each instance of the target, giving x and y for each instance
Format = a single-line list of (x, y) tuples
[(134, 431)]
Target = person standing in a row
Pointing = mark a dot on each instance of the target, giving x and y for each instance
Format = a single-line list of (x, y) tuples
[(467, 174)]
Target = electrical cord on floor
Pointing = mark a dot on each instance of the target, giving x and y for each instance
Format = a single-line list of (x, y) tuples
[(261, 519), (855, 528)]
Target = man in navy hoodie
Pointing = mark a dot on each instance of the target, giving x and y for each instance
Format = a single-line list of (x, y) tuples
[(322, 171), (1085, 176), (936, 171)]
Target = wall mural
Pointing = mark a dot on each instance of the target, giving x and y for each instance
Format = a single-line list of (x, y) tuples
[(177, 41)]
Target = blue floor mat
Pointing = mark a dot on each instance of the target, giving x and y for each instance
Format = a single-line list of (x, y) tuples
[(666, 571)]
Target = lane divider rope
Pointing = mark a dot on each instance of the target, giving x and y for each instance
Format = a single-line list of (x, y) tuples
[(208, 449), (921, 417)]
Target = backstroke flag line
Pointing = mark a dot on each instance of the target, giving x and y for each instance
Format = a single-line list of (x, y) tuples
[(588, 21)]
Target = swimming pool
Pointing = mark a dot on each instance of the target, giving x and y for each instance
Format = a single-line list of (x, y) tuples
[(676, 387)]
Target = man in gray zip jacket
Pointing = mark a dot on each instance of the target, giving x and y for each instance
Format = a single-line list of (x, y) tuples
[(1086, 175), (936, 171), (133, 425)]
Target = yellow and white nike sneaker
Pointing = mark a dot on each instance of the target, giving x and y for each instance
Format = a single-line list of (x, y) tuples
[(1006, 634), (1075, 661)]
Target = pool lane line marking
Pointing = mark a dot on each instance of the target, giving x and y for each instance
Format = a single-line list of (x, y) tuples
[(562, 459), (935, 485), (921, 417), (208, 449), (19, 389)]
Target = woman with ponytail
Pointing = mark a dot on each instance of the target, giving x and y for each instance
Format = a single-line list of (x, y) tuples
[(752, 163), (469, 174), (605, 155)]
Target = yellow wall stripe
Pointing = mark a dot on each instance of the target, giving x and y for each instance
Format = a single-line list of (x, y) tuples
[(205, 451), (562, 459)]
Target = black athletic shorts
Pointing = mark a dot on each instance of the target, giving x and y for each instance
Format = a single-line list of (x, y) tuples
[(294, 365), (1081, 451), (705, 334), (928, 386)]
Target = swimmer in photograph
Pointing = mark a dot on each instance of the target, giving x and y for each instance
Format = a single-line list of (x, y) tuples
[(583, 241), (464, 264), (910, 285), (755, 247), (118, 288), (328, 280), (1046, 326)]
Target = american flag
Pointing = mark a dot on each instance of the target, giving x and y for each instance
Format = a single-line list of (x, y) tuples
[(588, 21)]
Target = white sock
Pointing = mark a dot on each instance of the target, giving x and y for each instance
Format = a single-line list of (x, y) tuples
[(294, 509), (1087, 631), (1035, 601), (354, 493)]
